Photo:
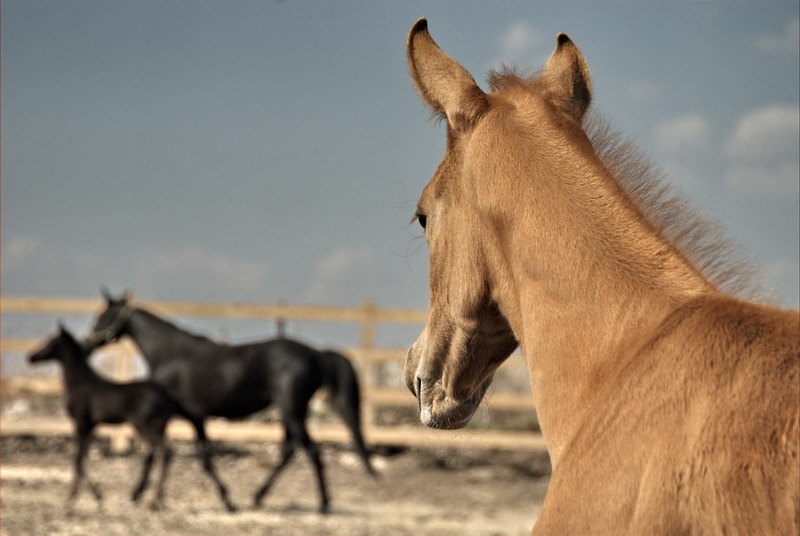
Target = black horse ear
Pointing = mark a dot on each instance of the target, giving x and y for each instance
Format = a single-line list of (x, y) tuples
[(106, 294), (64, 332), (67, 334)]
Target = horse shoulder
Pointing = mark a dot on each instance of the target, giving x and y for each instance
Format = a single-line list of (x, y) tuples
[(735, 370), (744, 417), (703, 418)]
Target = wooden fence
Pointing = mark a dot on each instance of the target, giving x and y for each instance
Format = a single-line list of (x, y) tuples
[(368, 358)]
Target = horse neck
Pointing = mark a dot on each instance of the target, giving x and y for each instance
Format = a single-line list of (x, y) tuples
[(582, 287), (157, 339), (77, 372)]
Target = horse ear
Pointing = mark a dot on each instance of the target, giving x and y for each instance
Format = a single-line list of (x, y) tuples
[(67, 334), (567, 78), (64, 332), (106, 294), (444, 84), (126, 296)]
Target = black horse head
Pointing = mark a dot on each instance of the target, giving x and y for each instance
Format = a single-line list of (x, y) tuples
[(112, 322), (60, 347)]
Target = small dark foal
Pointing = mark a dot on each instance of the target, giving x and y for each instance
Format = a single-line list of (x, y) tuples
[(91, 400)]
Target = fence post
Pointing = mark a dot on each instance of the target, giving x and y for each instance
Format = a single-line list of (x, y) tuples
[(280, 320), (367, 366)]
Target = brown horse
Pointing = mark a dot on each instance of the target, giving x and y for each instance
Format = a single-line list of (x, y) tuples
[(668, 406)]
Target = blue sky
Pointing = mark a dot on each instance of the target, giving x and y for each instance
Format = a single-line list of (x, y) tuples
[(264, 151)]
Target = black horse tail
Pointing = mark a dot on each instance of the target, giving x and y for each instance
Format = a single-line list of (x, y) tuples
[(340, 377)]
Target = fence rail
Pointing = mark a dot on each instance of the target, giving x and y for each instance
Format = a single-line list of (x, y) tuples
[(367, 357)]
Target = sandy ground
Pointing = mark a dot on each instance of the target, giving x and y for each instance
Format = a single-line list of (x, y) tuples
[(419, 492)]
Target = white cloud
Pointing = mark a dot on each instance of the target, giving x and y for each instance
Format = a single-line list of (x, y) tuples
[(340, 276), (780, 178), (689, 134), (762, 151), (32, 265), (517, 44), (18, 250), (786, 42), (519, 38), (645, 91), (767, 132), (196, 271)]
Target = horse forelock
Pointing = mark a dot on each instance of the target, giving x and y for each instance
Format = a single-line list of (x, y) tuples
[(508, 76), (509, 79)]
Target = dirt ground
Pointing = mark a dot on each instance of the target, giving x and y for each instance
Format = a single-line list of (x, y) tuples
[(420, 492)]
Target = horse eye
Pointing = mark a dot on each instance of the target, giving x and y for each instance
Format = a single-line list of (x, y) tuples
[(422, 219)]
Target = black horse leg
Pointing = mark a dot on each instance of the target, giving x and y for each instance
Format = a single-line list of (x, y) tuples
[(165, 456), (298, 428), (287, 451), (84, 437), (145, 477), (205, 456), (81, 445), (152, 431)]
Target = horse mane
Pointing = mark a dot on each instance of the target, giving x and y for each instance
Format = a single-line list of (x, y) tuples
[(694, 233), (698, 236), (186, 333)]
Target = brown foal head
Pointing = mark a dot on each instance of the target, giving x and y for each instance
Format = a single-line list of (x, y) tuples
[(468, 334)]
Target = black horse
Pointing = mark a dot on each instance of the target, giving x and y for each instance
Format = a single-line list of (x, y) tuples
[(234, 381), (91, 400)]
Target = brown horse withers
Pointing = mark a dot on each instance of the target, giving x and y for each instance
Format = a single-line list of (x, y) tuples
[(668, 406)]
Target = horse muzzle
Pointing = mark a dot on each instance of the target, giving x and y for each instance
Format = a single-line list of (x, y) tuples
[(437, 409)]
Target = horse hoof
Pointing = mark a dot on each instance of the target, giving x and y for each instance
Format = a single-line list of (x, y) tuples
[(232, 508)]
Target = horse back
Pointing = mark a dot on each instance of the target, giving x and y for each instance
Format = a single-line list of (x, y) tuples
[(254, 376), (699, 433), (102, 401)]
